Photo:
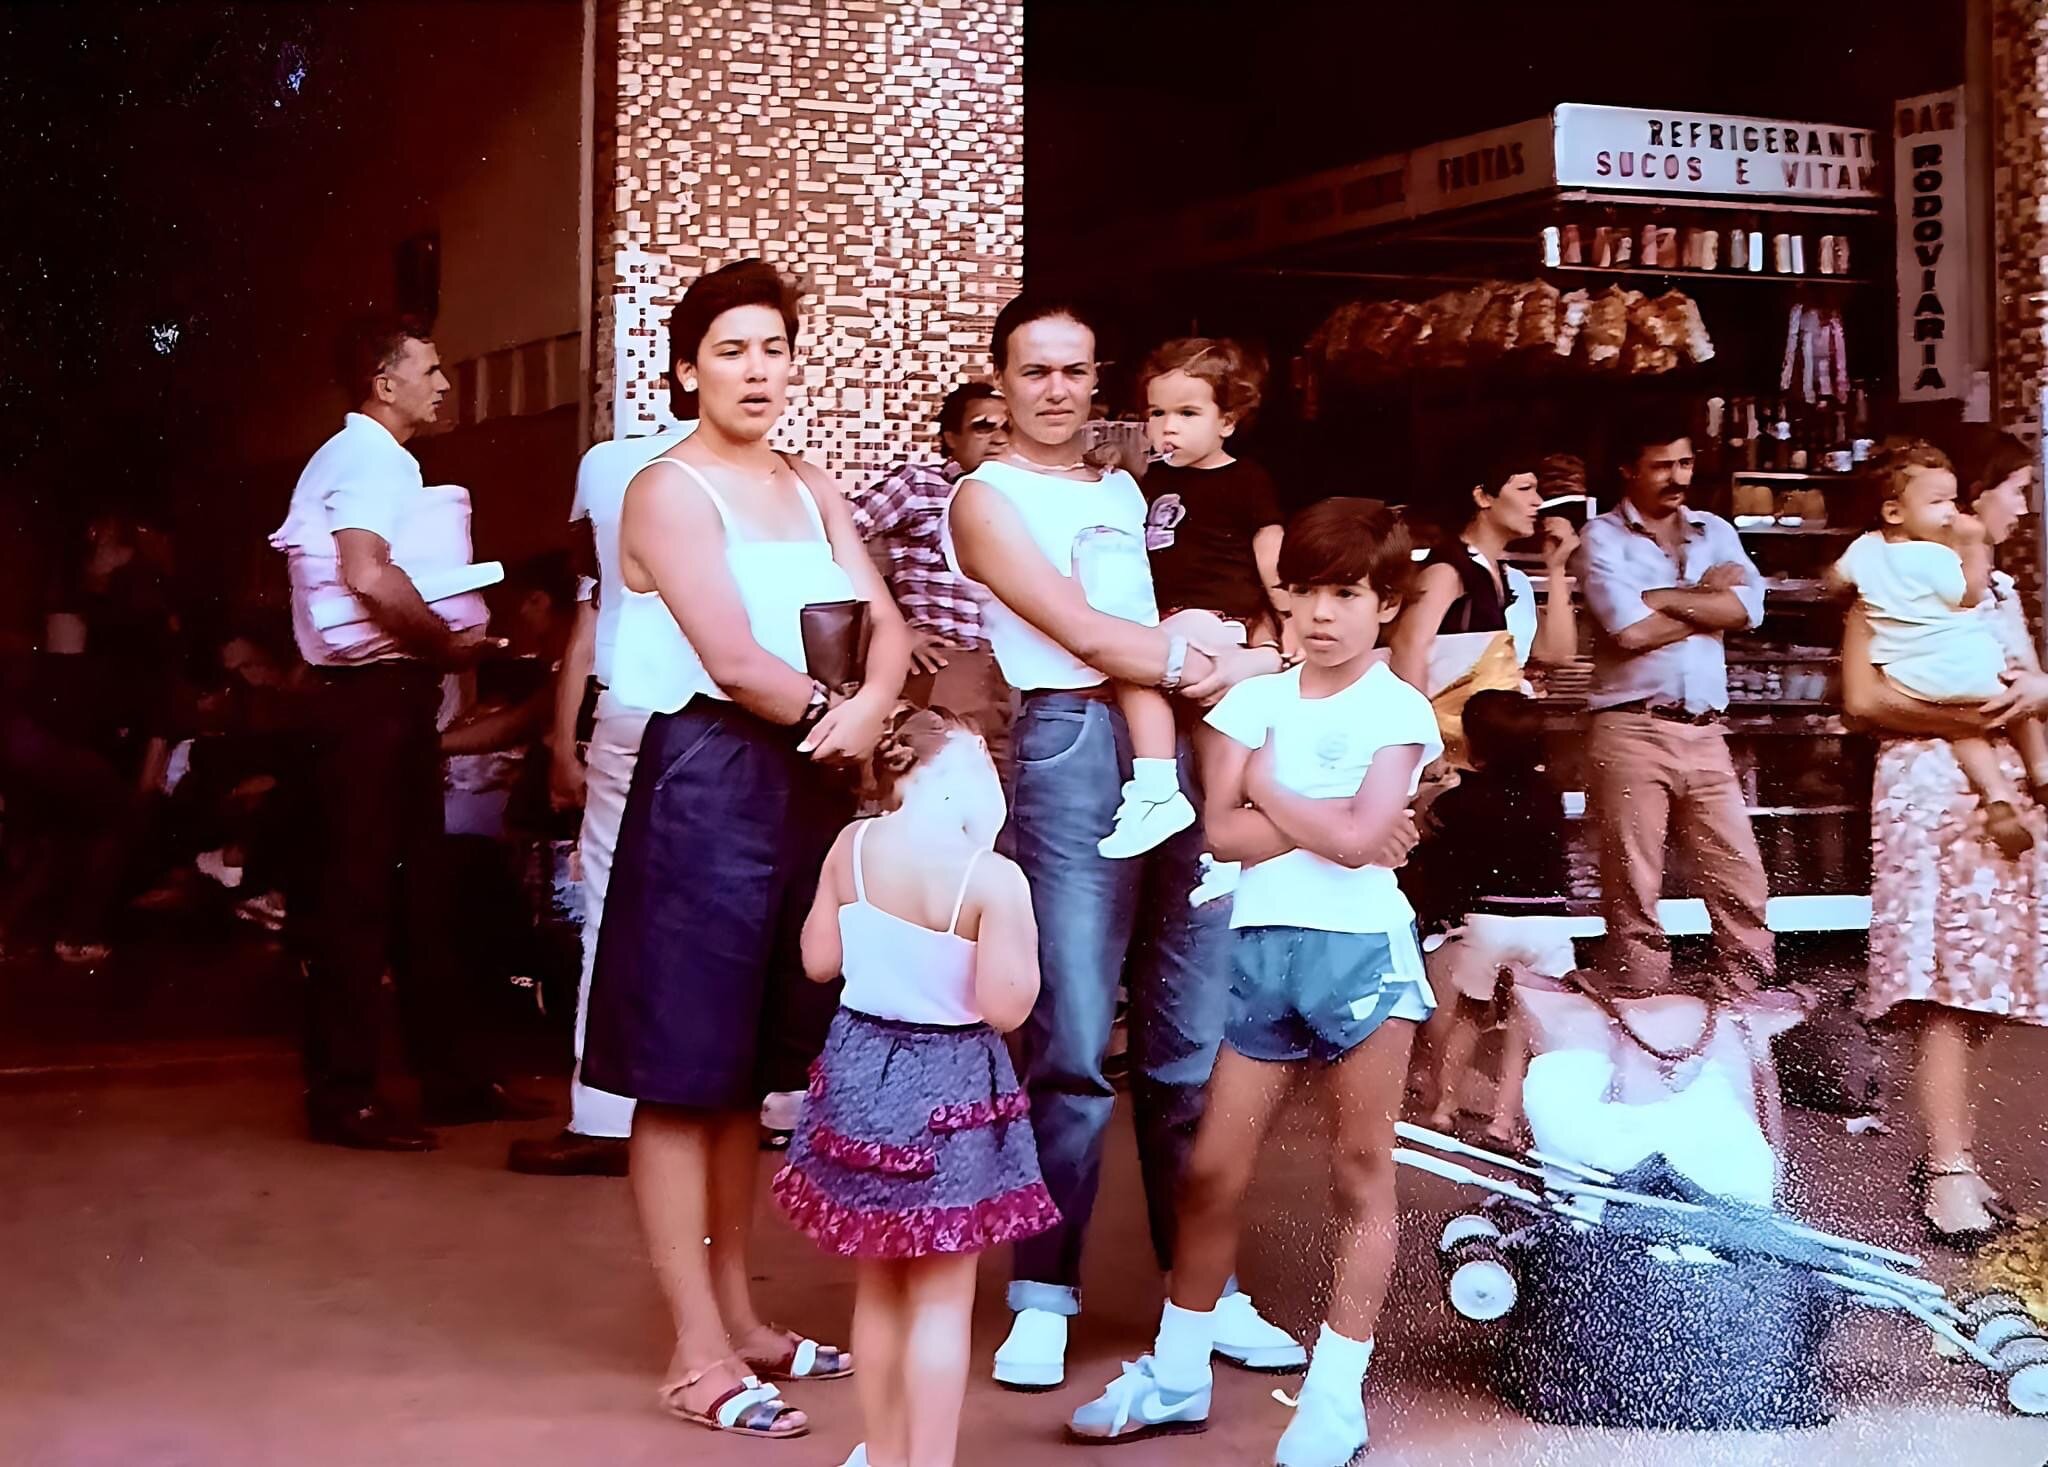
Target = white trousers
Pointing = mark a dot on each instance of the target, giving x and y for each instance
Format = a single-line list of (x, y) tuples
[(614, 749)]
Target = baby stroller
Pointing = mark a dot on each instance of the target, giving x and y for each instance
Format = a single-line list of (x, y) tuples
[(1641, 1300)]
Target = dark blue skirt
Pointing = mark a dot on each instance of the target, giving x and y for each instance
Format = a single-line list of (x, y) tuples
[(698, 997)]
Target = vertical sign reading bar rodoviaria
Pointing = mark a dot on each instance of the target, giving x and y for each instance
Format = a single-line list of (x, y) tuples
[(1931, 185)]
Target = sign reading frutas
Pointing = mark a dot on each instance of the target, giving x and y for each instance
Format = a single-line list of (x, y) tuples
[(1708, 153), (1934, 246)]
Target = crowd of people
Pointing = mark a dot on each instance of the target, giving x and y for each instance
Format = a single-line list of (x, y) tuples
[(1116, 751)]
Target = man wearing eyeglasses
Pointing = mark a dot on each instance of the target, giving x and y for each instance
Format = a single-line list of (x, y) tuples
[(951, 664)]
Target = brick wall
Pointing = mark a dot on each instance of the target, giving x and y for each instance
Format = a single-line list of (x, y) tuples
[(2019, 68), (874, 151)]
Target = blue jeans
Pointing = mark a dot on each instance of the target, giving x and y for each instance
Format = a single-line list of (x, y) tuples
[(1100, 921)]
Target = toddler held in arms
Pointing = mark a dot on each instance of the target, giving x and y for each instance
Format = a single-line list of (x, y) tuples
[(1923, 578), (1212, 529)]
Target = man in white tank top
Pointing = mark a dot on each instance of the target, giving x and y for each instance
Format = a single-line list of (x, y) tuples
[(1056, 544), (594, 1142)]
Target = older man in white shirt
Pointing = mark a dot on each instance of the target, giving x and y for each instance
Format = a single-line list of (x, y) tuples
[(379, 649)]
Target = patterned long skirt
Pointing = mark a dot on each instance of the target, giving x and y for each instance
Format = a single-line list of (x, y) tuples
[(1953, 921)]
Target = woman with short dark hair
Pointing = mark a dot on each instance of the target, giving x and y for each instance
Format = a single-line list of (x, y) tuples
[(1958, 931), (698, 1002)]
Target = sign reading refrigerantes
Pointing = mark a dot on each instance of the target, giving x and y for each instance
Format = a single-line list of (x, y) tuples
[(1707, 153)]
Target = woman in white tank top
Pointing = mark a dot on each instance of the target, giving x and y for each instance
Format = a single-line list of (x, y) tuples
[(914, 1152), (697, 1005)]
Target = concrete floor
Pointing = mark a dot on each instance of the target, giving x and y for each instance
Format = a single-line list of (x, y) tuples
[(184, 1280)]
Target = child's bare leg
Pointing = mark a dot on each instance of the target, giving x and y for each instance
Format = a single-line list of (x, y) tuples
[(1455, 1032), (1244, 1096), (1979, 761), (1365, 1094), (2031, 739), (881, 1321), (938, 1299), (1514, 1066), (1149, 715)]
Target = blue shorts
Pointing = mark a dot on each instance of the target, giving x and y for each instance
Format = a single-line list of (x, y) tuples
[(1301, 994)]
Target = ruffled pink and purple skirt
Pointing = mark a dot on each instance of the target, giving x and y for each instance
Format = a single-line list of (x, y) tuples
[(914, 1140)]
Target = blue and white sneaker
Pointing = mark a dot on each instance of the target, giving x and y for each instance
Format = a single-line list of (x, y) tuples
[(1137, 1406)]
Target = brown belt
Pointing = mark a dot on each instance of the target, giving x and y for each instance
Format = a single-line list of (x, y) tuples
[(1669, 712), (1100, 693)]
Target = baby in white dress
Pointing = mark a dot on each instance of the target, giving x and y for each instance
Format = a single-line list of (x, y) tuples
[(1924, 580)]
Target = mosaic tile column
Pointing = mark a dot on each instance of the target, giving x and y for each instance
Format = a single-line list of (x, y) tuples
[(874, 151), (2019, 68)]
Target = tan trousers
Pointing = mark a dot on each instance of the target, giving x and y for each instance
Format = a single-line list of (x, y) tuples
[(970, 683), (1652, 781)]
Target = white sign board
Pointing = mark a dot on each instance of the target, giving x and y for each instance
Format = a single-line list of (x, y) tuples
[(1931, 184), (1711, 153)]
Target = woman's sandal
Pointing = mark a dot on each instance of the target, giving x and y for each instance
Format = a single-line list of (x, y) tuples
[(748, 1409), (805, 1360), (1962, 1240)]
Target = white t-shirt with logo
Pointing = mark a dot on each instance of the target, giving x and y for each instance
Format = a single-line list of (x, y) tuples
[(1324, 747)]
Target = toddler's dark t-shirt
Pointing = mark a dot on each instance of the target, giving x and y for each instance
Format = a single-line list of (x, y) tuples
[(1199, 525)]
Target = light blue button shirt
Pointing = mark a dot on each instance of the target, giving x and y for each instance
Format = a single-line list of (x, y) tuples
[(1618, 561)]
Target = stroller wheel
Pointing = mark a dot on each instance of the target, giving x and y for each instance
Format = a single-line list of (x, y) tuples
[(2026, 1390), (1979, 1307), (1467, 1225), (2021, 1352), (1478, 1281), (2002, 1329)]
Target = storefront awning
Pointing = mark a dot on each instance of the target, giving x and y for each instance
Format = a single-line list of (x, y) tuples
[(1702, 159)]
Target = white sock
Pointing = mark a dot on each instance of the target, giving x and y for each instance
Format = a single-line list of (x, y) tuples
[(1180, 1356), (1338, 1366), (1155, 779)]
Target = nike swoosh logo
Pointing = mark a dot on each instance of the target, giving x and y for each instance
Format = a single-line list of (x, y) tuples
[(1159, 1407)]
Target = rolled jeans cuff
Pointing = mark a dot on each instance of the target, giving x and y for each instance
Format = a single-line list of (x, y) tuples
[(1052, 1298)]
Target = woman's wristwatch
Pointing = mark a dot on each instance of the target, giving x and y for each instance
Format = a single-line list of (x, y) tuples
[(1176, 663), (821, 700)]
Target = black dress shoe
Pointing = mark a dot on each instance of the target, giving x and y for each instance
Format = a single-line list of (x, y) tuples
[(367, 1128), (480, 1104), (567, 1154)]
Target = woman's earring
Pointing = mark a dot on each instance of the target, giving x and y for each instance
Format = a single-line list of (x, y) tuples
[(689, 384)]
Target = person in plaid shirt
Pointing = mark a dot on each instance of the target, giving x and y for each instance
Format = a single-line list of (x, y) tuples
[(951, 664)]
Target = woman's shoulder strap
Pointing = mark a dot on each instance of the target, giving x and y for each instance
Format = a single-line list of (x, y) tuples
[(717, 500), (960, 897), (860, 835)]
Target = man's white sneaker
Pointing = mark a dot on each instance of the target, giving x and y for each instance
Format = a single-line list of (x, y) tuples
[(1137, 1406), (1219, 879), (1143, 823), (1034, 1357), (1325, 1432), (1246, 1339)]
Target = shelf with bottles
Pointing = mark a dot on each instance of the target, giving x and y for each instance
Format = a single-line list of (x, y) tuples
[(1748, 248)]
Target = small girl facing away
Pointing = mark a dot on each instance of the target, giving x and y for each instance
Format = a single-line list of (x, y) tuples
[(914, 1151), (1212, 527), (1492, 874), (1924, 579)]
